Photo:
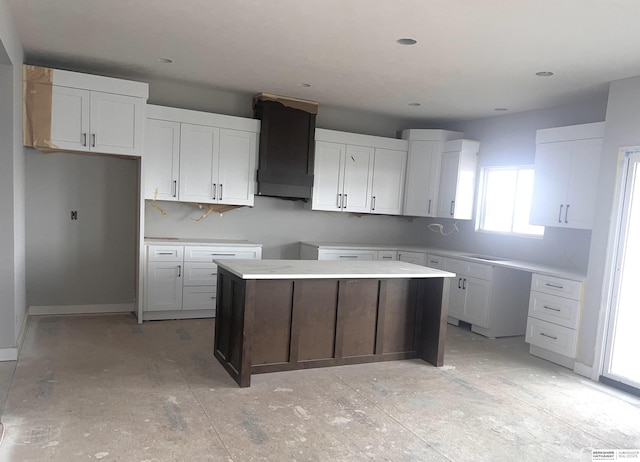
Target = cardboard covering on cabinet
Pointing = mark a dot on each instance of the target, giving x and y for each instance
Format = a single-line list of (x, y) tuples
[(304, 105), (37, 89)]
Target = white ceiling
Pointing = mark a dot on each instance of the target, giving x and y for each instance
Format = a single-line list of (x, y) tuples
[(472, 55)]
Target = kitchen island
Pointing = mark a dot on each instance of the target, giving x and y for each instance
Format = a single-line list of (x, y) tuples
[(278, 315)]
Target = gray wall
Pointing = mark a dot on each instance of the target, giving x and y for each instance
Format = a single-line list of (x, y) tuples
[(90, 260), (12, 189), (622, 128)]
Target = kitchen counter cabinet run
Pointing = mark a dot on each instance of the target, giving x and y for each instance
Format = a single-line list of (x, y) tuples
[(269, 325)]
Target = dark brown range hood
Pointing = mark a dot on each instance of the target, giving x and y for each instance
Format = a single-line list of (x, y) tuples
[(286, 151)]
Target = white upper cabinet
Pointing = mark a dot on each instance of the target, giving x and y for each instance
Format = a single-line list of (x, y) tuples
[(566, 175), (358, 173), (97, 114), (422, 183), (198, 157), (388, 181), (162, 160), (458, 179)]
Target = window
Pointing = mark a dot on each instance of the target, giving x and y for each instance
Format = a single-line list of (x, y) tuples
[(504, 201)]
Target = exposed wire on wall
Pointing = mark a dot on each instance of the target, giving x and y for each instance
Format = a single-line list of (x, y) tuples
[(438, 228)]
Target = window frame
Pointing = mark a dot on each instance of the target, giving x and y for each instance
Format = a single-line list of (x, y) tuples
[(481, 205)]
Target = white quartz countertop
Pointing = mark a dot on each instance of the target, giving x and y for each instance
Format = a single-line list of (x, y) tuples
[(470, 256), (199, 241), (328, 269)]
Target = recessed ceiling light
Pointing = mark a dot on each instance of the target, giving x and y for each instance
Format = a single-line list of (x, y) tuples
[(164, 60), (544, 74), (501, 109), (302, 84), (407, 41), (414, 104)]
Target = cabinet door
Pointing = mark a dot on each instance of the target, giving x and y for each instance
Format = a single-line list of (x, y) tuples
[(552, 167), (456, 299), (199, 298), (237, 167), (476, 307), (583, 181), (358, 178), (164, 286), (422, 179), (328, 176), (199, 147), (389, 169), (448, 182), (116, 123), (387, 255), (70, 118), (161, 160)]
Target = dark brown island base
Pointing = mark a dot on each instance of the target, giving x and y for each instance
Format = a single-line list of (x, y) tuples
[(280, 315)]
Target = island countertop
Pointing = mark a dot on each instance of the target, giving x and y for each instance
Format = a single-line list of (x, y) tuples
[(328, 269)]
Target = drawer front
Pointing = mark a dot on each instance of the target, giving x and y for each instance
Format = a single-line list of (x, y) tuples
[(480, 271), (200, 274), (199, 298), (434, 261), (454, 266), (551, 308), (387, 255), (165, 253), (556, 286), (417, 258), (207, 254), (552, 337), (347, 254), (467, 268)]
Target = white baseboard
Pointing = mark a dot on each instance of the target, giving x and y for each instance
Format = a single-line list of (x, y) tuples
[(8, 354), (584, 370), (81, 309)]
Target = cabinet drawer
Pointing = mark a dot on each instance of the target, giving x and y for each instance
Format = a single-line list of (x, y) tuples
[(434, 261), (347, 254), (165, 253), (467, 268), (200, 274), (556, 286), (552, 337), (551, 308), (199, 298), (387, 255), (207, 254)]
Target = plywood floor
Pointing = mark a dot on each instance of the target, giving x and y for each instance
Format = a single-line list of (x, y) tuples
[(105, 388)]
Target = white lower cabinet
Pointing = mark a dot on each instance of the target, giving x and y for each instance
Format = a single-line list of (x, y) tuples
[(181, 280), (555, 305), (491, 298)]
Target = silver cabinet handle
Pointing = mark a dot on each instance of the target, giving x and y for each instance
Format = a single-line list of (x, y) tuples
[(84, 139), (345, 202), (220, 196), (339, 204), (560, 214), (433, 261), (223, 254), (452, 208), (179, 270), (551, 308), (175, 188), (348, 256), (464, 284), (555, 286), (214, 189), (459, 282), (373, 204), (165, 253), (429, 210), (548, 336), (566, 214), (93, 142)]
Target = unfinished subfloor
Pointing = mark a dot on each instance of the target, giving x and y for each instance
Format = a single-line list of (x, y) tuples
[(106, 388)]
